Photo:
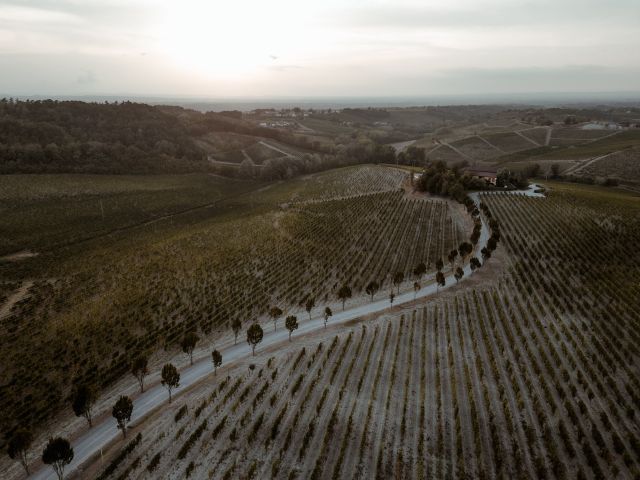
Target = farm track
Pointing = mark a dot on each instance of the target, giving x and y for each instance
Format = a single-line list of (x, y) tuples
[(15, 297), (530, 140)]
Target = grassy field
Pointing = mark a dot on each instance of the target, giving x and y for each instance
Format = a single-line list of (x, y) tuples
[(533, 373), (619, 141), (41, 212), (96, 304)]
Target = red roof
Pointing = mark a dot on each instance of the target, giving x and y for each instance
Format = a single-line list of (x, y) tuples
[(482, 172)]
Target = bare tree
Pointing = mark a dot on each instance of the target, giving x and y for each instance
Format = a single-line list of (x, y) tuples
[(275, 313), (122, 413), (420, 270), (398, 278), (58, 453), (327, 313), (83, 401), (459, 274), (236, 326), (216, 358), (170, 378), (309, 306), (344, 293), (254, 336), (140, 369), (292, 324), (188, 344), (19, 444), (371, 288), (452, 257)]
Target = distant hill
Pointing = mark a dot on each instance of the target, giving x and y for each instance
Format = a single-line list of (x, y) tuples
[(50, 136), (70, 136)]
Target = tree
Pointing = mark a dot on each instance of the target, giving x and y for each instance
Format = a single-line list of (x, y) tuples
[(398, 278), (83, 401), (459, 274), (392, 296), (254, 336), (58, 453), (140, 369), (440, 280), (344, 293), (216, 358), (309, 306), (170, 378), (465, 249), (236, 326), (122, 413), (275, 313), (492, 244), (371, 288), (486, 254), (420, 270), (327, 313), (292, 324), (439, 264), (416, 289), (188, 344), (555, 169), (19, 443), (475, 263), (452, 257)]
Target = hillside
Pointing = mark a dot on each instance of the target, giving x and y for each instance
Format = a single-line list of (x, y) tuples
[(504, 376), (53, 137)]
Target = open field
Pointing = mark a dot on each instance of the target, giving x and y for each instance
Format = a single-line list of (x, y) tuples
[(507, 378), (623, 165), (95, 305), (39, 212), (612, 143)]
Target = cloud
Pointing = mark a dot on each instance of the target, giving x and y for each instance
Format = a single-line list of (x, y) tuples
[(87, 77), (334, 47), (284, 68), (488, 14)]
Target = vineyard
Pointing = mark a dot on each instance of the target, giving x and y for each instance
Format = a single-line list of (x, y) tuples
[(532, 375), (87, 317), (624, 165)]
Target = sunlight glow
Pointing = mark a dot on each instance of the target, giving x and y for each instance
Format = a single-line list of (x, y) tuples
[(236, 39)]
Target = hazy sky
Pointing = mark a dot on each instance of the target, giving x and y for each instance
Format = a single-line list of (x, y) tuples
[(261, 48)]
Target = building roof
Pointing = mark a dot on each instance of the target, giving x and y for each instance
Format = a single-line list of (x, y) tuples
[(482, 172)]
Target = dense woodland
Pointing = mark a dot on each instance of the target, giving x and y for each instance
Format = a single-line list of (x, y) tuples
[(55, 137)]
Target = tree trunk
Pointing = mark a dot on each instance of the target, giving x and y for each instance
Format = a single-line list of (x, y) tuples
[(25, 464)]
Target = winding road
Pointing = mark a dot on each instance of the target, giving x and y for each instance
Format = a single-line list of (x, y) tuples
[(90, 443)]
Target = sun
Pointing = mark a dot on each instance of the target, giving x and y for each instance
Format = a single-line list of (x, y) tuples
[(231, 40)]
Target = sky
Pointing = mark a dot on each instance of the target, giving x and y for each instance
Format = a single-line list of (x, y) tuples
[(324, 48)]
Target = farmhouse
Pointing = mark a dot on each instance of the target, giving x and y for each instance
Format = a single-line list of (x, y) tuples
[(488, 174)]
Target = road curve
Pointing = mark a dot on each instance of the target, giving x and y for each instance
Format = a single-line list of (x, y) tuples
[(93, 440)]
